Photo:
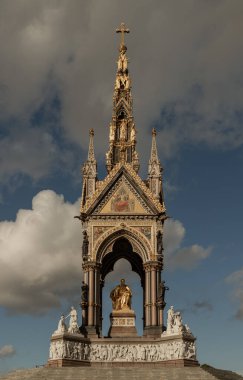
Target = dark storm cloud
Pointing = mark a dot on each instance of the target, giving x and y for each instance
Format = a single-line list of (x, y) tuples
[(186, 66)]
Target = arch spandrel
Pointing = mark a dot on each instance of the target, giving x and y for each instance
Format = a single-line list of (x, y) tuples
[(138, 241)]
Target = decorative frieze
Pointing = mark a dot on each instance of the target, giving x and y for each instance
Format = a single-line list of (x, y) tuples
[(120, 352), (123, 321)]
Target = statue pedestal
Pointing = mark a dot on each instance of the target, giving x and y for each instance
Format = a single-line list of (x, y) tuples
[(122, 323)]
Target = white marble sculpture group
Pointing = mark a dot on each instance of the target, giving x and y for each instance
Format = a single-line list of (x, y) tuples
[(73, 323), (174, 323)]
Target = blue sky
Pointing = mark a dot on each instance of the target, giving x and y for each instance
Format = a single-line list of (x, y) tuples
[(57, 74)]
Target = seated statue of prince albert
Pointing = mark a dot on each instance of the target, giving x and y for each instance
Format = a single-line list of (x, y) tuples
[(121, 297)]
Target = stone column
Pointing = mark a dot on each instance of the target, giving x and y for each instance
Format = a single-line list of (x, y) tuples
[(97, 297), (153, 315), (91, 297), (147, 297), (159, 299), (100, 311), (153, 296)]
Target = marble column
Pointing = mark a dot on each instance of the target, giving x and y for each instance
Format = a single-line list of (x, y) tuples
[(91, 297), (153, 296), (97, 296), (147, 297)]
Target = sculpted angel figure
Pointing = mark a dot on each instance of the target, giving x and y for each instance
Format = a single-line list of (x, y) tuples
[(121, 296)]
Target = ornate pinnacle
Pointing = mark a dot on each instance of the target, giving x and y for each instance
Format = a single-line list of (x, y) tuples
[(91, 156), (154, 133), (154, 153)]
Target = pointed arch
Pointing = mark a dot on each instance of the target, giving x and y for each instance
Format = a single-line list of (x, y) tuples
[(138, 242)]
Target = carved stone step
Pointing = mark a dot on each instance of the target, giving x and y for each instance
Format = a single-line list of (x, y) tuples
[(186, 373)]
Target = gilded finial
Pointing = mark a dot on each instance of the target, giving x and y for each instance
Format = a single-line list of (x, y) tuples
[(122, 30), (91, 132), (154, 132)]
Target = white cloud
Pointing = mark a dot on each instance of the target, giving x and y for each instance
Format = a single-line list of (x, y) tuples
[(7, 350), (181, 257), (40, 262), (186, 58), (236, 280)]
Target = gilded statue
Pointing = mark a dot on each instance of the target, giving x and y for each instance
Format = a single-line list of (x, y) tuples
[(121, 297), (123, 130), (112, 132), (133, 133), (122, 62)]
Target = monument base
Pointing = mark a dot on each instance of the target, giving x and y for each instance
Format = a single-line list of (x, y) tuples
[(176, 350), (122, 324)]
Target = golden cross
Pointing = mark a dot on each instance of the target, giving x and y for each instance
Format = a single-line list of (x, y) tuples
[(122, 30)]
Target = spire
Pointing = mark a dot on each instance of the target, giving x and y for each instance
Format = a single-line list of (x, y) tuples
[(154, 154), (122, 131), (89, 171), (91, 156), (155, 169)]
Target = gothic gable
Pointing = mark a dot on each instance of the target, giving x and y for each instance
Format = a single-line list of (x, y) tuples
[(122, 192), (123, 199)]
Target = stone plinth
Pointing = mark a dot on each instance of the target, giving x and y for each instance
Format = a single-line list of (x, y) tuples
[(122, 323)]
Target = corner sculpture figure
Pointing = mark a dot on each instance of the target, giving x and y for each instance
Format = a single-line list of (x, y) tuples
[(73, 322), (85, 247), (174, 323), (61, 328), (121, 297)]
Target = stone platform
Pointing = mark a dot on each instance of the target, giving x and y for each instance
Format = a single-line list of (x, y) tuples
[(121, 373), (176, 350)]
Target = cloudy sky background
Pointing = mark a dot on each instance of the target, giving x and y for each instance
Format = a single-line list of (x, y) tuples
[(58, 63)]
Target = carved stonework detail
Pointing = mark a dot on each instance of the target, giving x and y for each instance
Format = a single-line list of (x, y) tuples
[(127, 231), (133, 352), (122, 198), (138, 183), (145, 231), (98, 231)]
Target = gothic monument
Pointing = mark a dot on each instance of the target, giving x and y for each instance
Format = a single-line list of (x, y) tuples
[(122, 216)]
